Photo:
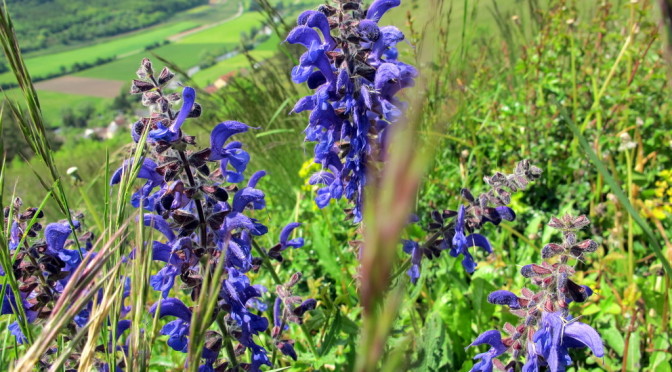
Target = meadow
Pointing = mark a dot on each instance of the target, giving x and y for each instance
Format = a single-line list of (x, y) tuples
[(579, 91)]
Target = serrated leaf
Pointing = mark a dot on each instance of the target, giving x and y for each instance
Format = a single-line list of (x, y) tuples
[(322, 248), (433, 347)]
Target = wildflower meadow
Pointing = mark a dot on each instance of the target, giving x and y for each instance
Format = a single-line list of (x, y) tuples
[(370, 185)]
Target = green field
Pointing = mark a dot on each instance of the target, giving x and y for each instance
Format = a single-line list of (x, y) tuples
[(185, 53), (228, 32), (53, 103), (262, 51), (42, 65), (123, 45)]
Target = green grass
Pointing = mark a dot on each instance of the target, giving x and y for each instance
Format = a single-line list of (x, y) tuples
[(184, 55)]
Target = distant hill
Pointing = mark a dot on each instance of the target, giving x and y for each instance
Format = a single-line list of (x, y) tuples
[(45, 23)]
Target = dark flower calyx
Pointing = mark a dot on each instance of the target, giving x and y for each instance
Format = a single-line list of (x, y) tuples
[(533, 270), (165, 75), (139, 86)]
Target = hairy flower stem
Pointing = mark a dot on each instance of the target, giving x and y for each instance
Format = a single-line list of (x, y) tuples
[(228, 346), (267, 262), (199, 206)]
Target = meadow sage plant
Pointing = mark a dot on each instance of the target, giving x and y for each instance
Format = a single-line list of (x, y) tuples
[(454, 230), (547, 329), (203, 213), (42, 261), (351, 64)]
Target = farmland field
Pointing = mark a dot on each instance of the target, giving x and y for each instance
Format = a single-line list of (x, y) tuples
[(186, 52), (261, 52), (123, 45), (48, 64)]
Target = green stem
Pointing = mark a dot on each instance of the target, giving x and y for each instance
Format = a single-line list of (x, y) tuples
[(228, 346), (631, 253)]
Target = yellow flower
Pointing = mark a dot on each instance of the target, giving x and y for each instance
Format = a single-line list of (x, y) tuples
[(307, 169), (661, 205)]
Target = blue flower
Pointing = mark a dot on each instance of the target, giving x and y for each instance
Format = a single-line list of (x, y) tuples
[(502, 297), (188, 101), (15, 330), (178, 329), (355, 82), (380, 7), (557, 334), (497, 348), (147, 171), (236, 292), (413, 248), (230, 154), (461, 243), (286, 232)]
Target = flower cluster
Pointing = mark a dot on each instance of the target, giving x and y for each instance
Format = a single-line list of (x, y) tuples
[(288, 308), (203, 214), (547, 330), (355, 76), (43, 262), (660, 205), (449, 228)]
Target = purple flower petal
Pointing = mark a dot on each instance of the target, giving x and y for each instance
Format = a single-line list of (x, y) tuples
[(586, 335), (287, 231), (502, 297), (56, 234), (478, 240), (303, 35), (172, 307), (220, 134), (245, 197), (160, 224), (188, 100), (255, 178), (380, 7)]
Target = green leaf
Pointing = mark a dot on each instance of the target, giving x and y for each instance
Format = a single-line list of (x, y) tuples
[(661, 360), (433, 347), (634, 352), (322, 248), (333, 332), (613, 337)]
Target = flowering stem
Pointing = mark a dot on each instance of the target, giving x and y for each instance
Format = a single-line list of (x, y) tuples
[(267, 262), (230, 351), (432, 239), (199, 206)]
